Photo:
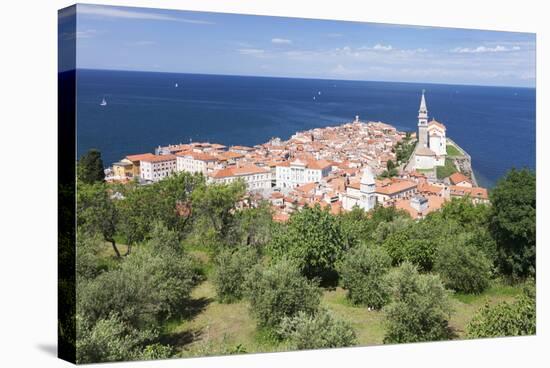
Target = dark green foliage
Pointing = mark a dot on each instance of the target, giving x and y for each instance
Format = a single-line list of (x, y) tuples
[(96, 212), (362, 272), (420, 307), (313, 239), (253, 226), (88, 263), (403, 150), (506, 319), (389, 173), (148, 286), (513, 222), (111, 340), (231, 267), (319, 331), (168, 201), (464, 212), (462, 267), (90, 168), (217, 203), (280, 291)]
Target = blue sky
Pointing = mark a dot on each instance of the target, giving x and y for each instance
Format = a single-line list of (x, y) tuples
[(199, 42)]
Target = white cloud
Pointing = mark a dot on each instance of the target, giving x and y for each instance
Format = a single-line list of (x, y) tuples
[(114, 12), (251, 51), (282, 41), (381, 47), (485, 49)]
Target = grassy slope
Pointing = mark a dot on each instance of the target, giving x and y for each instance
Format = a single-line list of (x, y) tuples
[(211, 328), (219, 328), (452, 151)]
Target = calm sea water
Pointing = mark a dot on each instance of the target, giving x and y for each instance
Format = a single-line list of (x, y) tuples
[(495, 125)]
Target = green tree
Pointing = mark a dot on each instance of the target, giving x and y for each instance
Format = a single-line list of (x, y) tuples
[(111, 340), (253, 226), (313, 239), (148, 286), (506, 319), (319, 331), (231, 266), (96, 212), (90, 167), (462, 267), (362, 272), (513, 222), (420, 307), (168, 201), (217, 203), (280, 291)]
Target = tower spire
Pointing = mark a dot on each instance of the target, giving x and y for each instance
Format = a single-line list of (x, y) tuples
[(423, 122), (423, 109)]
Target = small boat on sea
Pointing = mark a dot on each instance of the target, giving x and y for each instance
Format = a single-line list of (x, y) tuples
[(319, 93), (176, 85), (103, 102)]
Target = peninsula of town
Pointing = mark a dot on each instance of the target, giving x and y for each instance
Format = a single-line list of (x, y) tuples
[(358, 163)]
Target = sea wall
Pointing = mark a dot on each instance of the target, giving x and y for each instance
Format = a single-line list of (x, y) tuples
[(464, 162)]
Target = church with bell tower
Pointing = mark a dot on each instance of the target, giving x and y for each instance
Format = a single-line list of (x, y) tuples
[(431, 148)]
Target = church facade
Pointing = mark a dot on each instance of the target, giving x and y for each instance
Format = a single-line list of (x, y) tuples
[(431, 148)]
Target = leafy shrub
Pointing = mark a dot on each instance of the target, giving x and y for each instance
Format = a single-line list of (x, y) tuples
[(362, 272), (280, 291), (111, 339), (231, 267), (147, 286), (462, 267), (317, 331), (420, 307), (313, 240), (506, 319)]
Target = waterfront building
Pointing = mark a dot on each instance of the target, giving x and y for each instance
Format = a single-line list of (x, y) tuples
[(256, 178), (136, 162), (123, 170), (157, 167), (290, 174), (195, 162)]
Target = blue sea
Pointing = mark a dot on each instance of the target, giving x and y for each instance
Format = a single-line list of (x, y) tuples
[(496, 125)]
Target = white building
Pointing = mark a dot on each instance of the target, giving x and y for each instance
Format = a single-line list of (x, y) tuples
[(291, 174), (431, 149), (362, 195), (157, 167), (255, 177), (195, 162)]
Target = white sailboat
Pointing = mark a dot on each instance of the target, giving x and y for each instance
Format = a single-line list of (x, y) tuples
[(103, 102), (176, 85)]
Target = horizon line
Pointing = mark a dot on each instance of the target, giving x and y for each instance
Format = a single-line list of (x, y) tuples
[(307, 78)]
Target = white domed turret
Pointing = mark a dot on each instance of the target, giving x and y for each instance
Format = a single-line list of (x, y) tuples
[(367, 188)]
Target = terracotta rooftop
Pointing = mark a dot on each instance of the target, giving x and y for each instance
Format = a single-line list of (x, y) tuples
[(140, 157), (159, 158), (459, 177), (238, 171), (476, 192), (395, 187)]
